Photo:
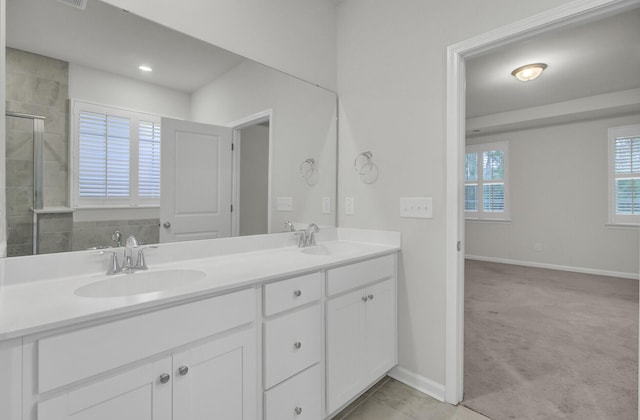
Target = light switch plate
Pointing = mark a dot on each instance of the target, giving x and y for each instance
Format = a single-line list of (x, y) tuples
[(416, 207), (285, 203), (326, 205), (349, 206)]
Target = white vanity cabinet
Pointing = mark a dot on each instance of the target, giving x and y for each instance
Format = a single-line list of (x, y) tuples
[(361, 327), (196, 360), (292, 348)]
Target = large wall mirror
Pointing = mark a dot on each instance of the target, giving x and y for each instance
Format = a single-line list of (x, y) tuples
[(94, 170)]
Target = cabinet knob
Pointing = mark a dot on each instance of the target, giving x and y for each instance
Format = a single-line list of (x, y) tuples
[(298, 410), (297, 344), (364, 298), (166, 225), (370, 297), (183, 370), (164, 378), (297, 293)]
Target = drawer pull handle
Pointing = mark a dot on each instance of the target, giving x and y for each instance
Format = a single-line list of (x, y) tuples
[(370, 297), (164, 378), (183, 370), (297, 293), (297, 345), (364, 298), (298, 410)]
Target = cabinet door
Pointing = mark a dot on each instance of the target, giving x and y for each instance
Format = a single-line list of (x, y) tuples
[(217, 380), (345, 345), (137, 394), (380, 336)]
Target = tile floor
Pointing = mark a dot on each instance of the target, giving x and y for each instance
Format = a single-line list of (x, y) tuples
[(393, 400)]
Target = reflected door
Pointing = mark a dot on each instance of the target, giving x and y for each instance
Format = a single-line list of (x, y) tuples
[(195, 181)]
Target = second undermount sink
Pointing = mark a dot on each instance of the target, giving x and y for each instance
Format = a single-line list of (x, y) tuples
[(139, 282)]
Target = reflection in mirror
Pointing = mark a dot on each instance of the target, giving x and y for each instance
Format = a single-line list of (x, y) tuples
[(73, 65)]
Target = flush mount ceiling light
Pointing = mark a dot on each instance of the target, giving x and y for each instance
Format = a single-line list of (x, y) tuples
[(529, 72), (145, 68)]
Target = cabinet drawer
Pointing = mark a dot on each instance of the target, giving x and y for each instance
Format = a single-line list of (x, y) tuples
[(66, 358), (359, 274), (287, 294), (302, 392), (291, 344)]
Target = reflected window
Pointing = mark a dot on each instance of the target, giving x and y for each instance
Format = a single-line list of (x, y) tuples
[(116, 156)]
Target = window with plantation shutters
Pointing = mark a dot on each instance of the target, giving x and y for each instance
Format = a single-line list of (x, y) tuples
[(485, 181), (116, 157), (624, 175)]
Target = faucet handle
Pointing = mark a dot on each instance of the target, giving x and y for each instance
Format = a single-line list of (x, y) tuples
[(302, 237), (141, 264), (114, 266)]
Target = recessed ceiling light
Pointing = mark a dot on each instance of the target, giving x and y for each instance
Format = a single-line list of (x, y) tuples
[(145, 68), (529, 72)]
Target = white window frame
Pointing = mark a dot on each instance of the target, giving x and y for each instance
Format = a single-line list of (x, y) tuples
[(78, 106), (480, 214), (613, 134)]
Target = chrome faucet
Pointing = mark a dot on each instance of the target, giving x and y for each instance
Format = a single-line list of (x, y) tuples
[(289, 225), (306, 237), (131, 246), (117, 238), (310, 238)]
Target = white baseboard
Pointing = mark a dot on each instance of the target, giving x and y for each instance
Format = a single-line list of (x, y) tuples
[(422, 384), (632, 276)]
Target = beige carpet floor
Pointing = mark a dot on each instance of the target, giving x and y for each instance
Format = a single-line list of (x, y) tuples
[(546, 344)]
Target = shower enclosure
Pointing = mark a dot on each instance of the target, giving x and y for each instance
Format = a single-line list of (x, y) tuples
[(24, 166)]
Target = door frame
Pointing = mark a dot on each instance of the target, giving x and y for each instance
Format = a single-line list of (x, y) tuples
[(563, 16), (236, 140)]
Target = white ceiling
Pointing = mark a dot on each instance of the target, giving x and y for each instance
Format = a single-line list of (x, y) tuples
[(591, 59), (112, 40)]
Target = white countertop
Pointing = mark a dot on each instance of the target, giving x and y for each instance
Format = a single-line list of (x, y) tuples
[(37, 306)]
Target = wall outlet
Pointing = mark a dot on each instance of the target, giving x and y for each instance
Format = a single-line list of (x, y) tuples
[(537, 247), (326, 205), (416, 207), (285, 203), (349, 206)]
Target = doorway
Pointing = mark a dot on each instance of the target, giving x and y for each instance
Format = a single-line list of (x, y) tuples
[(251, 174), (573, 13)]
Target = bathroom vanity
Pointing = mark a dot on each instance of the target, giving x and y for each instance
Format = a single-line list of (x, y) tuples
[(268, 331)]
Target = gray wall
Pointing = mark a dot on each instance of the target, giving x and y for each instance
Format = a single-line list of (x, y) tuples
[(254, 180), (559, 199)]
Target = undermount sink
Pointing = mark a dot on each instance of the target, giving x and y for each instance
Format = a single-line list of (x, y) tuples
[(331, 249), (139, 282)]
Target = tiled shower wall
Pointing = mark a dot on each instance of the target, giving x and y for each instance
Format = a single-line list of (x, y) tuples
[(40, 85), (35, 85)]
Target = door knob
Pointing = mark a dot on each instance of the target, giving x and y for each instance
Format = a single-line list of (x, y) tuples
[(297, 293), (166, 225), (364, 298), (370, 297), (183, 370), (164, 378)]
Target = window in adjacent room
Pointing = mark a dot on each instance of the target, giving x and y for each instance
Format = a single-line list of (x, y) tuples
[(624, 175), (486, 187), (116, 157)]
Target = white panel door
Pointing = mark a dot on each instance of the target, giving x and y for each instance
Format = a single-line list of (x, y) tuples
[(346, 327), (380, 344), (195, 194), (137, 394), (217, 380)]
